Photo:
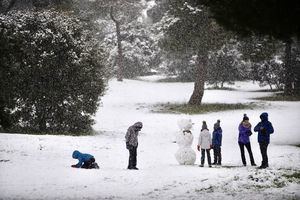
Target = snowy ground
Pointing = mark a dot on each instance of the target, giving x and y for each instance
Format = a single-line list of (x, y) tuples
[(38, 167)]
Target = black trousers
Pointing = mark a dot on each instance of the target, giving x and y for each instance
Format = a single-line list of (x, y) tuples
[(248, 147), (263, 150), (132, 156), (217, 155), (203, 156), (88, 164)]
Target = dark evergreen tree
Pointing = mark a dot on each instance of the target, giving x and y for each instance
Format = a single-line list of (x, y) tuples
[(225, 65), (275, 18), (193, 30), (51, 73)]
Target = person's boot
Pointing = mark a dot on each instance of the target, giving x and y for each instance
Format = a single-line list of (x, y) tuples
[(262, 167)]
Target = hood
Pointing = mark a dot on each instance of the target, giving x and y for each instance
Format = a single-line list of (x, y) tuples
[(217, 125), (264, 116), (76, 154), (204, 125), (138, 125)]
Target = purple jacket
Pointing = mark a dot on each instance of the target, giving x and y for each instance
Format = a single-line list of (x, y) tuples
[(244, 129)]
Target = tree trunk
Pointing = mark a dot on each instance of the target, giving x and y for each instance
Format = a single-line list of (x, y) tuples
[(200, 77), (297, 66), (119, 43), (288, 79)]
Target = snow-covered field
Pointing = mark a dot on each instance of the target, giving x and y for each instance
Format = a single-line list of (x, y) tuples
[(38, 167)]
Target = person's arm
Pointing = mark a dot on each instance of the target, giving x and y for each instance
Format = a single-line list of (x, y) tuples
[(200, 139), (210, 140), (257, 127), (129, 134), (79, 164), (240, 127), (221, 137), (270, 128)]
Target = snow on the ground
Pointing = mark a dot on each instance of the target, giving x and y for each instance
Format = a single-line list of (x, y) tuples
[(38, 167)]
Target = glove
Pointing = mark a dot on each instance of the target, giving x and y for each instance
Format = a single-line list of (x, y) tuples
[(249, 132), (198, 147), (263, 130)]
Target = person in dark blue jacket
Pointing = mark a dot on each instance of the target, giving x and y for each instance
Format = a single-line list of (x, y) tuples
[(217, 143), (264, 129), (85, 160)]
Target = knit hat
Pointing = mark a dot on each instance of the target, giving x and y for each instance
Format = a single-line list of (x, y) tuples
[(204, 125), (245, 117), (217, 124)]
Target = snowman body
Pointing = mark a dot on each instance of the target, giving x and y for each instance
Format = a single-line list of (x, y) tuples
[(185, 155)]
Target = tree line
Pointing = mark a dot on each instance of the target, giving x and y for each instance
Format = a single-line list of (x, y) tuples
[(56, 56)]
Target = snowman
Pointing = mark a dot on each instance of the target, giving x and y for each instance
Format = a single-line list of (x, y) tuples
[(184, 138)]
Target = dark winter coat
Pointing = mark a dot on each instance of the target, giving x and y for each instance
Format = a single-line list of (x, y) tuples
[(82, 157), (217, 137), (264, 129), (132, 134), (244, 132)]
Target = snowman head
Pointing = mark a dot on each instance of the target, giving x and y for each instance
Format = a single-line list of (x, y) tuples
[(185, 124)]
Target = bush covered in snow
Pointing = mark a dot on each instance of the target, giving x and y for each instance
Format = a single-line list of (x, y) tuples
[(51, 73)]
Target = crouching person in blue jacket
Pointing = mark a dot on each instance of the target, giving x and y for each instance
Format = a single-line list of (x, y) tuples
[(264, 129), (85, 160)]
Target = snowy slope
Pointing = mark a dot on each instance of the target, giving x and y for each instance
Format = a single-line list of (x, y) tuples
[(38, 167)]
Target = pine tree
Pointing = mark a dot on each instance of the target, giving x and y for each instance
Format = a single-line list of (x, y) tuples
[(275, 18), (193, 30), (52, 73)]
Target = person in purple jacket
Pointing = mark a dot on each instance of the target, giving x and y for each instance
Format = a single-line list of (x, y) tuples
[(244, 140)]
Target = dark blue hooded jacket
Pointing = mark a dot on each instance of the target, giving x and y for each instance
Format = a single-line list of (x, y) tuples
[(217, 137), (82, 157), (264, 129)]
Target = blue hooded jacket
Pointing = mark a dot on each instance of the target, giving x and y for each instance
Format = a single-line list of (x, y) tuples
[(264, 129), (82, 157), (217, 137)]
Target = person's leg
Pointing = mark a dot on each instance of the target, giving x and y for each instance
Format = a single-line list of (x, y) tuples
[(208, 157), (242, 153), (134, 157), (219, 156), (202, 156), (248, 147), (131, 155), (263, 150), (267, 158), (215, 155), (88, 164), (266, 155)]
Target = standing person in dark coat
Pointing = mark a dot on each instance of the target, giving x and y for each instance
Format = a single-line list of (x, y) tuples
[(132, 143), (244, 140), (217, 143), (264, 129)]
